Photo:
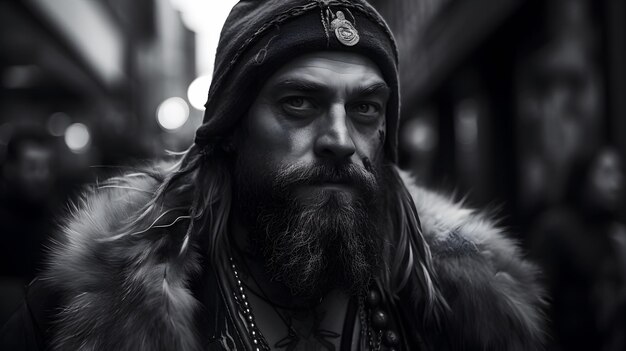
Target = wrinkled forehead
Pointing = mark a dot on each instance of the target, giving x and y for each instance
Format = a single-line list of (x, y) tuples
[(337, 61), (342, 70)]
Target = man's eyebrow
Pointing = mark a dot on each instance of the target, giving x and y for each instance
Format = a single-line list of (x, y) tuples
[(376, 88), (312, 86), (300, 85)]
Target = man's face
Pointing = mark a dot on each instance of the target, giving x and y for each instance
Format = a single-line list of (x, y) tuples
[(326, 106), (307, 173)]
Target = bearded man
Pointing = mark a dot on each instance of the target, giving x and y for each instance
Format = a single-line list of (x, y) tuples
[(286, 225)]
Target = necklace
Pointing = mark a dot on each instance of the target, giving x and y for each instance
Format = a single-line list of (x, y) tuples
[(292, 339), (377, 332), (258, 340), (369, 306)]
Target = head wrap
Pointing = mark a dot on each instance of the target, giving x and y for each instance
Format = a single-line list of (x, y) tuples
[(259, 37)]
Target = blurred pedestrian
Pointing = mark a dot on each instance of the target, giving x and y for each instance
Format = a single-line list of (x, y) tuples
[(28, 202), (580, 243)]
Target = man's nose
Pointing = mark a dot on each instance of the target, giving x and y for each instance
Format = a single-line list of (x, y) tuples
[(334, 140)]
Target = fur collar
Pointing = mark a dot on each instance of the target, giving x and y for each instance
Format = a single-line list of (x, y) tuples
[(494, 296), (115, 297)]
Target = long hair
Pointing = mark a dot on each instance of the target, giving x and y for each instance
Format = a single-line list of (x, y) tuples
[(410, 264), (198, 189)]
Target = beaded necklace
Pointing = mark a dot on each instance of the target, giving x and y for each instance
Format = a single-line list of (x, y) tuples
[(292, 339), (258, 340), (373, 329)]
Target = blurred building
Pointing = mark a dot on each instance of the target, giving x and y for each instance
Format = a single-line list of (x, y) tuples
[(500, 98), (107, 64), (519, 105), (81, 83)]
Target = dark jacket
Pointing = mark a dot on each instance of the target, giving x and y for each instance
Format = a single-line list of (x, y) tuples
[(100, 293)]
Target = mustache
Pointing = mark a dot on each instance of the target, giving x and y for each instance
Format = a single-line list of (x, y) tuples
[(345, 173)]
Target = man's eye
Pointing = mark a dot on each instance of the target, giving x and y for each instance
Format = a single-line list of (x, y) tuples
[(297, 102), (366, 111), (367, 108), (297, 105)]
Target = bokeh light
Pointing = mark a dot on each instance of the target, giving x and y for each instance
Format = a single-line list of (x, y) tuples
[(172, 113), (58, 123), (466, 123), (77, 137), (419, 136), (198, 92)]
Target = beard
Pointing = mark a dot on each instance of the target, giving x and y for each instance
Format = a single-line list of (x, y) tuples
[(313, 239)]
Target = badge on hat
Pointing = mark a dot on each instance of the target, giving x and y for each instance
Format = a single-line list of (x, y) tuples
[(344, 30)]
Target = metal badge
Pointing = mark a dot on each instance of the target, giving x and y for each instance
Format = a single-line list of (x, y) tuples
[(344, 30)]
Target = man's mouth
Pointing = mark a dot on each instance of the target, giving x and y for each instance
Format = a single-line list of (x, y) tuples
[(315, 187), (340, 186)]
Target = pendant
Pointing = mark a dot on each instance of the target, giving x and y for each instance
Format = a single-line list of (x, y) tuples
[(344, 30)]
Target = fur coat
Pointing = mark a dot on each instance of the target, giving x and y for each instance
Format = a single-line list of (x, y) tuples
[(114, 296)]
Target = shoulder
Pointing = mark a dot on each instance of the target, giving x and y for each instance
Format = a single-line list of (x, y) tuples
[(93, 220), (117, 257), (482, 274)]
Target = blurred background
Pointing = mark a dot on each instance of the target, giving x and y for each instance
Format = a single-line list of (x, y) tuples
[(517, 106)]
